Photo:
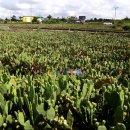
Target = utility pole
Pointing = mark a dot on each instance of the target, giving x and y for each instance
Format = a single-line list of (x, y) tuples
[(115, 8), (10, 15), (115, 12)]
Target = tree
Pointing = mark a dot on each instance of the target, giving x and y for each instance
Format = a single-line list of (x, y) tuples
[(71, 19), (95, 19), (34, 19), (20, 18), (49, 16), (13, 18), (126, 18), (63, 19)]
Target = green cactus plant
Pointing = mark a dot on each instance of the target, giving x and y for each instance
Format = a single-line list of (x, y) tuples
[(40, 109), (1, 120), (90, 89), (48, 91), (4, 88), (50, 113), (9, 119), (29, 107), (19, 92), (26, 100), (63, 83), (27, 125), (84, 90), (2, 103), (120, 126), (102, 128), (122, 97), (20, 102), (9, 105), (5, 78), (32, 93), (21, 118), (70, 119), (112, 98), (6, 109), (118, 116)]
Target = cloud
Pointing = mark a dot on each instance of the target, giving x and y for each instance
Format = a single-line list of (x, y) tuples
[(59, 8)]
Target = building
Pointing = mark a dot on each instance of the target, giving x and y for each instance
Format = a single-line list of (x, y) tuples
[(28, 19), (82, 18), (40, 19), (107, 23), (45, 19)]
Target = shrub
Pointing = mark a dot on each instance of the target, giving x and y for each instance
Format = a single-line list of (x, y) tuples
[(126, 28)]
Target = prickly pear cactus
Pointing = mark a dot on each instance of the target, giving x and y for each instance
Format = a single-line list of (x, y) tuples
[(112, 98), (102, 128), (63, 83), (27, 125), (50, 113), (40, 109), (48, 91), (21, 118), (1, 120), (4, 78), (120, 126), (118, 116), (9, 119), (32, 93), (2, 103), (70, 119)]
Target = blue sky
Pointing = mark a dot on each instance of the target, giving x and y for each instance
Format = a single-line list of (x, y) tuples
[(59, 8)]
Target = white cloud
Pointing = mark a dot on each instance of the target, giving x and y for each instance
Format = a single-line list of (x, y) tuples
[(59, 8)]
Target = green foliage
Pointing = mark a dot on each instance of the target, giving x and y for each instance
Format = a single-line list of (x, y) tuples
[(27, 125), (1, 120), (33, 96), (34, 19), (126, 27), (70, 119), (21, 118), (120, 126), (102, 128), (50, 113), (9, 119), (54, 21)]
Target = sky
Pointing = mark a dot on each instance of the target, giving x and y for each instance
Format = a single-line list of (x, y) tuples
[(65, 8)]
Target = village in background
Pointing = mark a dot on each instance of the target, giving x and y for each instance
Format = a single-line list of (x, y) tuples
[(51, 19), (120, 24)]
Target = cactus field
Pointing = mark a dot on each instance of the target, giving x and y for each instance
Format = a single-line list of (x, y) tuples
[(41, 87)]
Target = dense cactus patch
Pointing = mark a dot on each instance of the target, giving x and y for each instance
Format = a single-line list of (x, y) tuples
[(40, 87)]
